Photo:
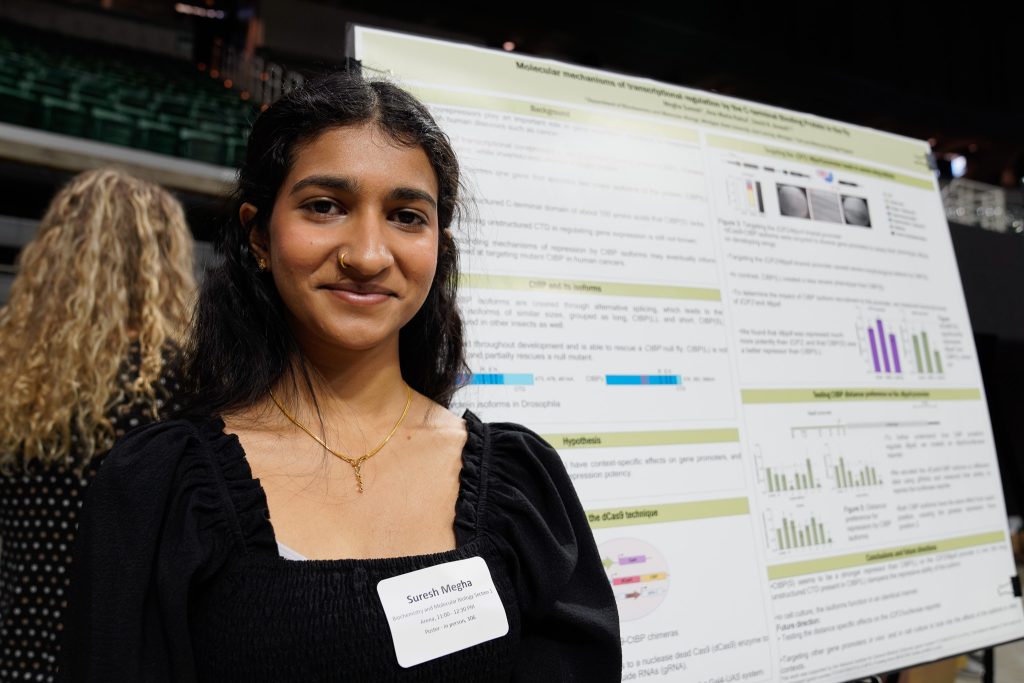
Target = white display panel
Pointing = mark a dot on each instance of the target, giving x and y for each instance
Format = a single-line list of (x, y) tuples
[(743, 329)]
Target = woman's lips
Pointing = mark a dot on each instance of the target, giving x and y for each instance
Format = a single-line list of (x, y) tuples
[(361, 298)]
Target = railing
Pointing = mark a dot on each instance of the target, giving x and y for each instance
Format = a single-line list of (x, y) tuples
[(969, 202)]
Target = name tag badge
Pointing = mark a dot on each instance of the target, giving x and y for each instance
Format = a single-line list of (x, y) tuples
[(442, 609)]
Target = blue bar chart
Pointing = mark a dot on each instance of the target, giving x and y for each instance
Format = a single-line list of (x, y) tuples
[(492, 378), (642, 380)]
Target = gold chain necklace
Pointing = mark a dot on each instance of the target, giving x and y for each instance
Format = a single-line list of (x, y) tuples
[(355, 463)]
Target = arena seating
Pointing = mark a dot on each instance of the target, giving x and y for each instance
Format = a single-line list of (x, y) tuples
[(138, 100)]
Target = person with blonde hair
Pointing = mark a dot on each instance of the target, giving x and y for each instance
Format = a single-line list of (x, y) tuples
[(88, 341)]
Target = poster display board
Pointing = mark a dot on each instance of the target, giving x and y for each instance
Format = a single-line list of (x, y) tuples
[(743, 329)]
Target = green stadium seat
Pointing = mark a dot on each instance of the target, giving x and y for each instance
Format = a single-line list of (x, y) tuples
[(234, 151), (88, 100), (219, 129), (176, 121), (38, 89), (65, 117), (110, 126), (17, 107), (133, 112), (175, 106), (156, 137), (200, 145), (95, 87), (135, 98)]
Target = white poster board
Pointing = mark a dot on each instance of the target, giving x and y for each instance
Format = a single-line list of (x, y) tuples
[(744, 330)]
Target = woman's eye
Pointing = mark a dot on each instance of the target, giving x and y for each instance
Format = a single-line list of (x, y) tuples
[(322, 207), (409, 218)]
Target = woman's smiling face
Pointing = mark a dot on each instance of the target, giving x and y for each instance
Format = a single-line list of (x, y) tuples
[(352, 192)]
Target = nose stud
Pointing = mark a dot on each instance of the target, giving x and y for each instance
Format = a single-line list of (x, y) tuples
[(341, 259)]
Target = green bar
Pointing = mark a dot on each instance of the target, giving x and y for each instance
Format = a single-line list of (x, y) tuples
[(810, 473), (927, 353), (814, 530), (821, 531), (755, 396), (668, 512), (874, 479), (842, 469), (784, 484), (785, 527), (839, 479), (768, 473), (938, 362), (792, 531), (542, 284), (825, 564), (917, 354), (800, 535), (778, 483), (778, 534), (622, 439), (849, 478)]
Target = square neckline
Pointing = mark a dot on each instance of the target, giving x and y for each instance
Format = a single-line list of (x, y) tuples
[(475, 446)]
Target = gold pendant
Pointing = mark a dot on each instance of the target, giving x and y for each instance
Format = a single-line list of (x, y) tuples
[(359, 477)]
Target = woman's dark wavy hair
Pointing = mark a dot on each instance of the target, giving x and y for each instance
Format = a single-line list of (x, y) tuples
[(240, 343)]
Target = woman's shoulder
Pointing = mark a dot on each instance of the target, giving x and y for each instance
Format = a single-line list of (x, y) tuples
[(162, 449), (528, 504), (188, 464), (520, 474), (512, 447)]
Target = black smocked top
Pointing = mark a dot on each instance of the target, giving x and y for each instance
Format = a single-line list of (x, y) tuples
[(177, 575)]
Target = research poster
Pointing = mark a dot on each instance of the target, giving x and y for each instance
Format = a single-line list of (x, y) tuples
[(743, 329)]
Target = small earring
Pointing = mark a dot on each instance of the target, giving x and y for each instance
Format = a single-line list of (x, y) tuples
[(341, 259), (261, 264)]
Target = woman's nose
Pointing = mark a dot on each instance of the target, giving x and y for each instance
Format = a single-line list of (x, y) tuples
[(364, 250)]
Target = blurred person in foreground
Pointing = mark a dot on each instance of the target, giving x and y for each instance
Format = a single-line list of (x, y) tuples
[(88, 342)]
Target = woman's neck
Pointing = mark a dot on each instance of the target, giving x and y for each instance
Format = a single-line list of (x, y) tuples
[(364, 385)]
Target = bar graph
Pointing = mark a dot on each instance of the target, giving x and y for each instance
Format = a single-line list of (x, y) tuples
[(927, 359), (885, 353), (642, 380), (789, 534), (864, 476), (497, 378), (799, 478)]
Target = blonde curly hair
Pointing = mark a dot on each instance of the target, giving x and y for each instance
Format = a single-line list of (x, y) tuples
[(111, 263)]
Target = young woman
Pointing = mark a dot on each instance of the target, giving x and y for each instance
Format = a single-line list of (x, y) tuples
[(321, 515), (86, 342)]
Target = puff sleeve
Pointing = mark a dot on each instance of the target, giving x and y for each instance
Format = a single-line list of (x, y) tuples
[(570, 620), (145, 540)]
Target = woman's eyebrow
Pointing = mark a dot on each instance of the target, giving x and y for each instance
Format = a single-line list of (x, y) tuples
[(331, 182), (343, 184), (412, 194)]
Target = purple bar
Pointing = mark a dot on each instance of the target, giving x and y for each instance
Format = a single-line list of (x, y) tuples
[(881, 342), (874, 349), (632, 559), (895, 353)]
